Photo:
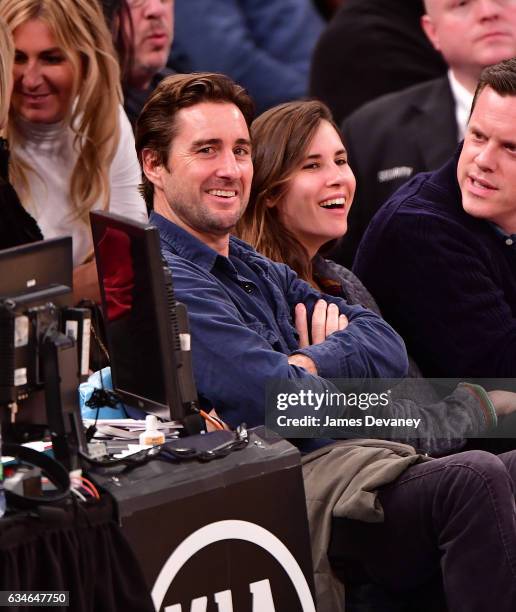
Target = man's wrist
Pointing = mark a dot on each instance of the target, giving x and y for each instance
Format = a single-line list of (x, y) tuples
[(303, 361)]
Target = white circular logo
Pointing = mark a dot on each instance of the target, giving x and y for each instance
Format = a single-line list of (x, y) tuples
[(232, 530)]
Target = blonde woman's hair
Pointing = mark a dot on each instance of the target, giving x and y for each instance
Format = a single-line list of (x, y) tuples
[(6, 69), (80, 30)]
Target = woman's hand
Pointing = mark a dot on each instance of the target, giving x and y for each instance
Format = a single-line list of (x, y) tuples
[(325, 321)]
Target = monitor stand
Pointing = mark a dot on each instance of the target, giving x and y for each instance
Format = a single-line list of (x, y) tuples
[(59, 359)]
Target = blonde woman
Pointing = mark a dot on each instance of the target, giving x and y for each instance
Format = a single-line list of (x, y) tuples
[(16, 225), (72, 148)]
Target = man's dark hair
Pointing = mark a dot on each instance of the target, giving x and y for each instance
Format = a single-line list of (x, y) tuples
[(116, 14), (500, 77), (156, 126)]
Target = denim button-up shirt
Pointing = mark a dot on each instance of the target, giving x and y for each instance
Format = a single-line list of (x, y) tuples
[(240, 310)]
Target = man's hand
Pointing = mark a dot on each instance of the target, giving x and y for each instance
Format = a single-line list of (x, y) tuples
[(325, 320), (303, 362), (504, 402)]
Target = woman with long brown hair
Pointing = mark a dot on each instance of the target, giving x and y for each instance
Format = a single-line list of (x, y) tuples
[(302, 191)]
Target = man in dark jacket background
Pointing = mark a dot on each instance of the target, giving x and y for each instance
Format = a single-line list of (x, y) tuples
[(440, 256), (371, 48)]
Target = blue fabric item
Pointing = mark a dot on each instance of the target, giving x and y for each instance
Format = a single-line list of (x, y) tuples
[(239, 310), (97, 380), (264, 46), (444, 279)]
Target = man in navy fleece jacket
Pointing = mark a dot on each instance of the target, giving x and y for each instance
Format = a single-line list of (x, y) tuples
[(440, 255)]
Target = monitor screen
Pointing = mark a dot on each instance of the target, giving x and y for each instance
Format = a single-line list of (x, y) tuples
[(140, 316)]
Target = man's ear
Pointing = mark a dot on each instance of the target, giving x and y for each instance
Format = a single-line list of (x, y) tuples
[(152, 167), (431, 32)]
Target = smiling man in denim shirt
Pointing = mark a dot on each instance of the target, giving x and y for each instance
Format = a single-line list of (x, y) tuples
[(198, 172)]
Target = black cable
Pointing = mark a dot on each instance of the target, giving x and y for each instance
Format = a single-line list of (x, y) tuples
[(133, 459), (98, 399)]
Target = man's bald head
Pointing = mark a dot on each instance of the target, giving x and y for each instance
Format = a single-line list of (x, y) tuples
[(471, 35)]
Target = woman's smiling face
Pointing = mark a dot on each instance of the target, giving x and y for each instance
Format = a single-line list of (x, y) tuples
[(320, 192), (43, 75)]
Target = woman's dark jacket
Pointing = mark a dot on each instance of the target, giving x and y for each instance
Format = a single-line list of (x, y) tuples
[(16, 225)]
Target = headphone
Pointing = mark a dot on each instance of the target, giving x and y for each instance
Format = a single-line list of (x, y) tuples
[(55, 472)]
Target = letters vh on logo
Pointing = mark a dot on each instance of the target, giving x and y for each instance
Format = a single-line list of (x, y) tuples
[(262, 596)]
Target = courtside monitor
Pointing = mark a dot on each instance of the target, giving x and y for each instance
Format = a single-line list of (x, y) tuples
[(39, 366), (38, 270), (149, 353), (35, 283)]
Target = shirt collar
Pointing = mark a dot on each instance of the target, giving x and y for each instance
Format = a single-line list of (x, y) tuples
[(509, 239), (463, 100), (189, 247), (183, 243)]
